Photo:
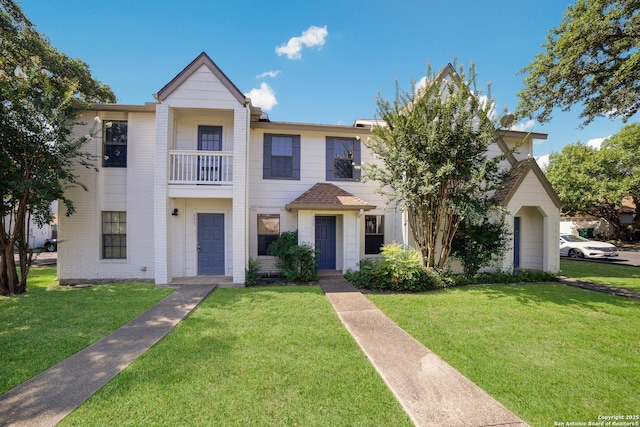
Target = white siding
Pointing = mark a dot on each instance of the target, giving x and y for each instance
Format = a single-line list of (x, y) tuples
[(127, 189), (539, 226), (202, 90), (186, 129), (183, 234)]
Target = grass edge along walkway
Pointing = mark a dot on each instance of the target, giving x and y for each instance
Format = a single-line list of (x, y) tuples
[(47, 398)]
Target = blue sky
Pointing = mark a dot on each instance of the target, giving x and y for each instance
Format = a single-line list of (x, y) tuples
[(313, 61)]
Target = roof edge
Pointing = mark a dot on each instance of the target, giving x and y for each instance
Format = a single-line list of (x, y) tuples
[(182, 76)]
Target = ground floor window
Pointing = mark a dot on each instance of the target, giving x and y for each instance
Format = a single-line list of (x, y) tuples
[(114, 235), (373, 233), (268, 231)]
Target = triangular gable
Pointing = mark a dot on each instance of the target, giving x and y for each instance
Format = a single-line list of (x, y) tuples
[(518, 174), (189, 70)]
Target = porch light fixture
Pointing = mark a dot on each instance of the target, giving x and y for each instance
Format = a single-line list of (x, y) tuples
[(175, 212)]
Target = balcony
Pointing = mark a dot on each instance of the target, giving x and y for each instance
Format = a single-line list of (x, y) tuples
[(200, 173)]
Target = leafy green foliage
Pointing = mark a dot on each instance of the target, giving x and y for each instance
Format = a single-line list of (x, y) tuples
[(252, 273), (296, 262), (42, 92), (591, 58), (398, 269), (434, 145), (594, 182), (479, 244), (524, 276)]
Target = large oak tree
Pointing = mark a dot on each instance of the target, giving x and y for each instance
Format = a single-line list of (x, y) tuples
[(594, 181), (42, 91), (592, 58)]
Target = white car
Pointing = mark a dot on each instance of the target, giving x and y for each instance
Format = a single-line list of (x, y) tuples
[(579, 247)]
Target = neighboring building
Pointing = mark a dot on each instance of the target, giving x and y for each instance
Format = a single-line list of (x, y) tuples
[(591, 227), (200, 181), (37, 234)]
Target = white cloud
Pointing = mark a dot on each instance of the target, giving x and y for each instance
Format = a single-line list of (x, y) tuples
[(596, 142), (272, 74), (543, 161), (313, 36), (524, 126), (263, 97)]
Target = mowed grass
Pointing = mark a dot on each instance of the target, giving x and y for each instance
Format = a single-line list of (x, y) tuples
[(620, 276), (50, 322), (549, 352), (271, 356)]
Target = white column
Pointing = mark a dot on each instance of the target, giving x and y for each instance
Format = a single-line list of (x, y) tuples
[(160, 205), (239, 203)]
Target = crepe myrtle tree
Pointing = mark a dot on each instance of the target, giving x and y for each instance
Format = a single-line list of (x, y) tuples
[(433, 142), (42, 92)]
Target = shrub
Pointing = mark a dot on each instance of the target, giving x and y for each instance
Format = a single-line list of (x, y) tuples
[(523, 276), (398, 269), (252, 273), (296, 262), (479, 244)]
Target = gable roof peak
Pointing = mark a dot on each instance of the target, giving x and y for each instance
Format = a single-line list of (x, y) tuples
[(200, 60)]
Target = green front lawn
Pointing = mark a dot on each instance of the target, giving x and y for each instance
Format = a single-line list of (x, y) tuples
[(49, 322), (549, 353), (273, 356), (620, 276)]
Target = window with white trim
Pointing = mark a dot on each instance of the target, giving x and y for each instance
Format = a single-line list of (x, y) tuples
[(114, 235), (373, 234), (114, 147), (268, 232)]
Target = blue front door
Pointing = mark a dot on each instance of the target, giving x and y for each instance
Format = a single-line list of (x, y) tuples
[(210, 244), (516, 242), (326, 242)]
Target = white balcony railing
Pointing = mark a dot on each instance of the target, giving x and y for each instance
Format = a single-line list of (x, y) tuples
[(201, 167)]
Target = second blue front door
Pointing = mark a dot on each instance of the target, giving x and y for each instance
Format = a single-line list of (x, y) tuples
[(326, 242), (210, 244)]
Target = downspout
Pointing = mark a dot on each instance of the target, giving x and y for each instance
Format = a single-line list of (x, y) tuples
[(358, 240)]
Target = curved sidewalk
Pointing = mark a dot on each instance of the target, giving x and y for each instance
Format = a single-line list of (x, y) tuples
[(47, 398), (432, 392)]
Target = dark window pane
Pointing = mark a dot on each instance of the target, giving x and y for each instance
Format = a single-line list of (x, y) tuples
[(343, 149), (281, 166), (114, 153), (268, 232), (115, 156), (210, 138), (342, 169), (263, 243), (114, 234), (373, 243), (373, 233)]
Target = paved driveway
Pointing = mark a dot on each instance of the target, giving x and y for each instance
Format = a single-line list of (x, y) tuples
[(628, 258), (625, 258)]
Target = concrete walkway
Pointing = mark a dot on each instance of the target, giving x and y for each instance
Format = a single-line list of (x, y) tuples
[(431, 391), (47, 398)]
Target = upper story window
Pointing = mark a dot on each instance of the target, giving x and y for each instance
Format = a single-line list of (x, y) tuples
[(268, 232), (342, 155), (114, 152), (373, 233), (281, 158)]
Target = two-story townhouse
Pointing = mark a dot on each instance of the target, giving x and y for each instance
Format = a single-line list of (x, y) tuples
[(196, 183)]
